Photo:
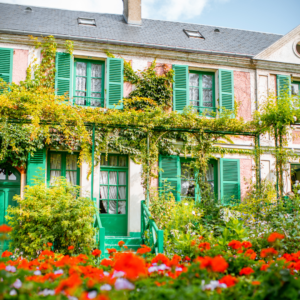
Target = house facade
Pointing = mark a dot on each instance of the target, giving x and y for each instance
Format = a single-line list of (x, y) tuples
[(213, 67)]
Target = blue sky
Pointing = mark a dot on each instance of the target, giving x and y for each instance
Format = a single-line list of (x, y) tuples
[(275, 16)]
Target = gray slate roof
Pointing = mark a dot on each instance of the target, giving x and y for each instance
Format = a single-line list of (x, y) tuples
[(112, 28)]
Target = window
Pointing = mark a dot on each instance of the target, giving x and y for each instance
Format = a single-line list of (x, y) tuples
[(296, 88), (201, 91), (193, 34), (113, 184), (89, 83), (298, 48), (295, 176), (87, 21), (62, 164)]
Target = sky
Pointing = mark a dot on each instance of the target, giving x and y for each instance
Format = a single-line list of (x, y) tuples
[(273, 16)]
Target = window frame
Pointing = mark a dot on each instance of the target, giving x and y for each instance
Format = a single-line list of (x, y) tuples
[(202, 108), (88, 76), (63, 166)]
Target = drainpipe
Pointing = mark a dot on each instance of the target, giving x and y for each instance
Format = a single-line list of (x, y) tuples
[(148, 171), (93, 158)]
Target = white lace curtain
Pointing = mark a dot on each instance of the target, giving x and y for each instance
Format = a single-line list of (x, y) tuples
[(71, 164), (55, 163)]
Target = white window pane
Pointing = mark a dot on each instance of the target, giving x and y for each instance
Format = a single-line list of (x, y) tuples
[(103, 192), (122, 207), (71, 162), (71, 177), (55, 161), (194, 94), (122, 193), (112, 192), (96, 70), (53, 176), (122, 161), (207, 81), (11, 176), (113, 160), (207, 98), (81, 68), (96, 85), (81, 83), (112, 207), (295, 89), (122, 178), (2, 174), (103, 177), (113, 178), (210, 172), (194, 79)]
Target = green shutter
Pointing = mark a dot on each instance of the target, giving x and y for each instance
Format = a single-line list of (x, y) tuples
[(63, 74), (283, 85), (115, 67), (36, 166), (226, 89), (180, 87), (230, 180), (6, 64), (170, 174)]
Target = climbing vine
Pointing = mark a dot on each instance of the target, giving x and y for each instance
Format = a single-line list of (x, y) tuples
[(44, 118)]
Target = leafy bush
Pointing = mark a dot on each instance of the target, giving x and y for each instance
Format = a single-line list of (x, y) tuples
[(139, 103), (51, 215)]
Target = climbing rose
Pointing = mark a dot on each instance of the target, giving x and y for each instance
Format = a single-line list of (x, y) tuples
[(275, 236), (228, 280), (236, 245), (96, 253), (121, 243), (246, 271), (5, 229), (6, 254)]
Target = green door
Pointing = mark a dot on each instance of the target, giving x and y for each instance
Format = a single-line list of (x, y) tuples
[(114, 194), (9, 187)]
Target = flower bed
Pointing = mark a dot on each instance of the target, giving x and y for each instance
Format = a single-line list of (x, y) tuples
[(215, 272)]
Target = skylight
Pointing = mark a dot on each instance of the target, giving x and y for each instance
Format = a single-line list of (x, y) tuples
[(193, 34), (86, 21)]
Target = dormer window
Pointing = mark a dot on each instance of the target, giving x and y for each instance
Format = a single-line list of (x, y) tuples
[(87, 21), (193, 34)]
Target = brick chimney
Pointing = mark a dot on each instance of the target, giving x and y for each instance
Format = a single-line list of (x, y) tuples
[(132, 12)]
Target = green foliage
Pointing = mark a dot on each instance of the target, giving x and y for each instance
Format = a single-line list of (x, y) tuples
[(51, 215), (138, 103)]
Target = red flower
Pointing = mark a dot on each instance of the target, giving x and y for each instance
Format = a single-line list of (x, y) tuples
[(47, 253), (107, 262), (187, 258), (219, 264), (268, 252), (193, 243), (144, 249), (255, 282), (68, 285), (246, 244), (6, 254), (110, 251), (160, 259), (96, 252), (250, 253), (236, 245), (131, 264), (264, 267), (246, 271), (228, 280), (204, 246), (5, 229), (121, 243), (175, 260), (70, 247), (49, 244), (275, 236)]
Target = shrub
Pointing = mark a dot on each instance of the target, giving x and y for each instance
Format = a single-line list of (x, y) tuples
[(51, 215)]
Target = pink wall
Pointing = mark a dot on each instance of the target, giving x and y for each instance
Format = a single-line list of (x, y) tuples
[(242, 93), (245, 175), (20, 64)]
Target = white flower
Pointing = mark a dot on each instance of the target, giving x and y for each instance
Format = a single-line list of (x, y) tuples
[(260, 122), (298, 192), (163, 267), (193, 212), (118, 274), (106, 273), (178, 269), (13, 293), (57, 272), (186, 203), (295, 118), (37, 272), (92, 294), (105, 287), (47, 292), (123, 284), (17, 284), (10, 269), (213, 285), (152, 269)]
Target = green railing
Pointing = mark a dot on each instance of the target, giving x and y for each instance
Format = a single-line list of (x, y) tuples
[(100, 231), (151, 235)]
